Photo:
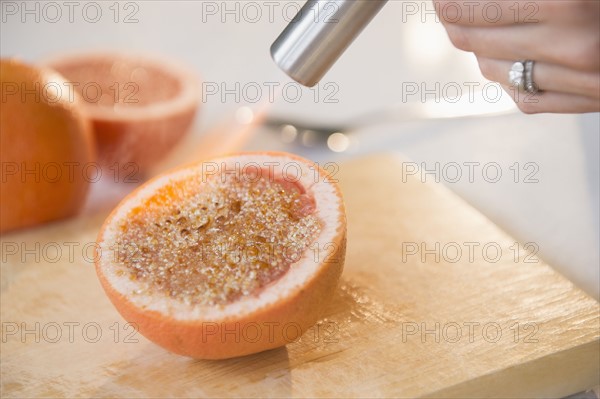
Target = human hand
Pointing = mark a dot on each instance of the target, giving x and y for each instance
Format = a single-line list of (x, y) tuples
[(562, 37)]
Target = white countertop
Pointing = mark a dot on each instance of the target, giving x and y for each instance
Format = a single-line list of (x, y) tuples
[(559, 212)]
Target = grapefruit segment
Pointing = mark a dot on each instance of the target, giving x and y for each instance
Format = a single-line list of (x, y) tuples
[(140, 105), (226, 257)]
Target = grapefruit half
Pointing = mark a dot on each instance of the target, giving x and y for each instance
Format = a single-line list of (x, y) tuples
[(141, 106), (226, 257)]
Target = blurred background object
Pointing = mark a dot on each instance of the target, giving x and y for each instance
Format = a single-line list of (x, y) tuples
[(140, 106), (547, 192), (44, 137)]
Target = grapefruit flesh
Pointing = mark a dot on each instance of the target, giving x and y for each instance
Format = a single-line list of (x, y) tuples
[(46, 147), (227, 257)]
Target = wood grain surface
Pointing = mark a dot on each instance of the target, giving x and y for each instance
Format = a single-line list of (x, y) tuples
[(435, 301)]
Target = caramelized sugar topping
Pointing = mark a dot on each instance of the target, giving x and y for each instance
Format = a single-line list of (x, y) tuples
[(212, 242)]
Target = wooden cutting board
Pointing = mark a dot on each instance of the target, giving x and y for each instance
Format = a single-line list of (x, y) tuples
[(413, 316)]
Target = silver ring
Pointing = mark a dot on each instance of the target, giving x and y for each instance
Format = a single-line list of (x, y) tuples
[(516, 74), (528, 83)]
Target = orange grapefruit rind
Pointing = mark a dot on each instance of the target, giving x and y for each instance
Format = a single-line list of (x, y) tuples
[(45, 145)]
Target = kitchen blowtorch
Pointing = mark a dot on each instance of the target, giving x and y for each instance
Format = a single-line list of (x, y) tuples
[(318, 35)]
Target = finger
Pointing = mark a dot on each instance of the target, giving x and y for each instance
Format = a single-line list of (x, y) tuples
[(552, 102), (501, 12), (484, 13), (547, 77), (574, 48)]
